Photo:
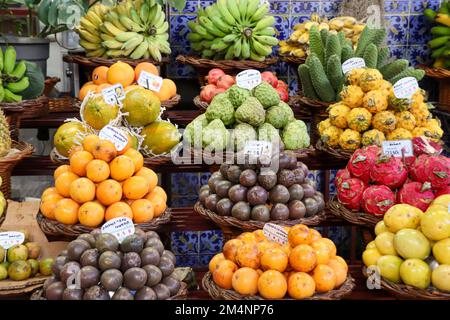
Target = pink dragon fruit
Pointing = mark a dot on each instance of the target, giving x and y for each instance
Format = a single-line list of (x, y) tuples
[(377, 200), (376, 150), (438, 171), (440, 192), (422, 145), (361, 163), (389, 171), (350, 193), (417, 170), (416, 194), (341, 176)]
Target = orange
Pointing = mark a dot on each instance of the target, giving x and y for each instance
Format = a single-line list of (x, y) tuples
[(274, 259), (272, 285), (157, 192), (104, 150), (135, 188), (99, 75), (301, 285), (159, 205), (85, 90), (128, 145), (78, 162), (74, 149), (118, 209), (101, 87), (63, 182), (330, 245), (315, 235), (146, 66), (109, 192), (230, 249), (97, 170), (223, 274), (122, 167), (151, 176), (341, 261), (322, 251), (299, 234), (303, 258), (245, 281), (167, 91), (49, 191), (324, 277), (259, 235), (247, 237), (120, 72), (247, 255), (142, 211), (66, 211), (260, 272), (82, 190), (214, 261), (61, 169), (286, 248), (340, 270), (91, 214), (137, 158), (48, 204), (263, 246)]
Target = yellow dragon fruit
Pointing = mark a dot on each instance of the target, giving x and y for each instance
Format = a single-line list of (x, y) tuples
[(352, 96), (354, 75), (384, 121), (420, 112), (385, 86), (399, 134), (375, 101), (432, 134), (331, 136), (338, 115), (350, 140), (322, 125), (359, 119), (370, 79), (405, 120), (372, 137)]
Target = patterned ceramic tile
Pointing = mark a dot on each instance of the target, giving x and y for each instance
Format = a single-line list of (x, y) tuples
[(279, 7), (316, 176), (331, 8), (186, 260), (341, 237), (203, 260), (282, 26), (184, 183), (179, 29), (204, 177), (205, 4), (397, 30), (211, 242), (417, 6), (185, 242), (305, 7), (419, 54), (294, 19), (184, 201), (399, 52), (293, 85), (332, 178), (191, 7), (419, 30), (281, 68), (396, 6), (175, 70)]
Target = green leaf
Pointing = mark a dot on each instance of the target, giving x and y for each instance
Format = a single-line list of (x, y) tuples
[(177, 4)]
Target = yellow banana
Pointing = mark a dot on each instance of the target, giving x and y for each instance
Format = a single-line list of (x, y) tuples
[(443, 18), (112, 44), (139, 52), (86, 35), (93, 18), (125, 36), (88, 45), (95, 53), (130, 24), (113, 17), (163, 29), (86, 24), (112, 29), (107, 37)]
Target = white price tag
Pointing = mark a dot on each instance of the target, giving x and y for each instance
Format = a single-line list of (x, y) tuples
[(150, 81), (11, 238), (248, 79), (114, 94), (256, 148), (353, 63), (398, 148), (275, 233), (117, 136), (405, 88), (120, 227)]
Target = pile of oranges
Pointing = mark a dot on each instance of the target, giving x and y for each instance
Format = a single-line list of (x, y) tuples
[(121, 72), (100, 184), (306, 264)]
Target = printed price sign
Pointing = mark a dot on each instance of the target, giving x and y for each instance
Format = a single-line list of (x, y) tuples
[(256, 148), (11, 238), (114, 94), (406, 87), (398, 148), (117, 136), (353, 63), (120, 227), (248, 79), (275, 233), (150, 81)]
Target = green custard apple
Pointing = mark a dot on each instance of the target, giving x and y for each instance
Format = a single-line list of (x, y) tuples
[(266, 94), (221, 108)]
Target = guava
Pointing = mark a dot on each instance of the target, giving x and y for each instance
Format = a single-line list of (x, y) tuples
[(390, 267), (68, 135), (45, 266), (380, 227), (416, 273), (371, 245), (385, 243), (402, 216), (19, 270), (436, 225), (441, 251), (440, 277), (3, 272), (2, 253), (410, 243), (370, 257), (34, 265)]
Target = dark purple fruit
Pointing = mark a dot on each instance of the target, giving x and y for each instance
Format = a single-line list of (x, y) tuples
[(203, 188), (299, 175), (132, 243), (169, 254), (106, 242), (89, 258), (72, 294), (237, 193), (257, 195), (223, 169), (283, 161), (150, 256), (223, 207), (162, 292), (203, 195), (166, 266), (279, 212), (55, 291), (303, 166), (279, 194), (248, 178), (212, 183), (76, 248), (173, 285), (211, 202), (312, 207), (58, 264), (89, 276), (308, 190), (122, 294), (154, 275), (286, 178), (134, 278), (320, 201), (292, 160), (145, 293), (109, 260), (69, 269), (63, 253), (155, 243), (49, 281), (89, 238), (96, 293), (267, 179), (241, 211), (130, 260), (233, 173), (297, 209), (111, 279), (296, 192), (222, 189), (260, 213), (151, 234)]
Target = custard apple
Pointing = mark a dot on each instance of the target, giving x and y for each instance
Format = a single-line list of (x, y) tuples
[(295, 135), (193, 132), (221, 108), (267, 132), (279, 115), (251, 112), (237, 95), (215, 136), (266, 94)]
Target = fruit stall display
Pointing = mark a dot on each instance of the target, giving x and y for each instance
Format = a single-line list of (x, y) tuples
[(411, 250), (301, 265)]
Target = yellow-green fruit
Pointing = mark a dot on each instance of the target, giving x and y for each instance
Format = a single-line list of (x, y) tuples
[(370, 79), (384, 121), (323, 125), (67, 136), (386, 87), (425, 132), (441, 251), (411, 243), (390, 267), (399, 134), (371, 245), (442, 200), (331, 136), (402, 216), (2, 253), (17, 252), (354, 75), (97, 113), (436, 225), (350, 139), (19, 270), (142, 106), (385, 243), (375, 101), (160, 137), (3, 272), (440, 277), (5, 138), (380, 227), (359, 119), (405, 120), (338, 115), (45, 266), (372, 137), (416, 273), (34, 265), (370, 257), (352, 96), (420, 112)]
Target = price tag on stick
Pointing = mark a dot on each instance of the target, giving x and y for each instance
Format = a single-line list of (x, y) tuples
[(398, 148), (353, 63), (117, 136), (150, 81), (114, 94), (11, 238), (120, 227), (405, 88), (248, 79), (275, 233), (256, 148)]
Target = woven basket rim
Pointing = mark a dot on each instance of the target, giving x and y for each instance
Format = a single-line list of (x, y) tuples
[(97, 61), (438, 73), (358, 218), (199, 62), (39, 101), (171, 102), (312, 103), (337, 153), (25, 150), (291, 59), (202, 105)]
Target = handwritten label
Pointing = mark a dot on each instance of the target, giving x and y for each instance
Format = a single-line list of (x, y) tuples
[(275, 233), (353, 63), (120, 227), (150, 81), (398, 148), (256, 148), (248, 79), (11, 238), (406, 87), (117, 136), (114, 94)]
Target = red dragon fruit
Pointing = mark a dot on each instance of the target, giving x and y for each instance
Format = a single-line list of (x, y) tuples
[(341, 176), (422, 145), (416, 194), (417, 170), (374, 149), (361, 163), (440, 192), (437, 170), (377, 200), (350, 193), (389, 171)]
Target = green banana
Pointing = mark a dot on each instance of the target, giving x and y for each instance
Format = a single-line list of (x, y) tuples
[(154, 52), (440, 31), (430, 14), (9, 60), (251, 8), (243, 9), (125, 36), (111, 28), (152, 14), (203, 32), (132, 43), (144, 13), (210, 27), (2, 93), (438, 42), (265, 22), (230, 53), (269, 31), (256, 57), (130, 24), (237, 47), (112, 44), (260, 13), (245, 51), (194, 37), (139, 52), (438, 52), (19, 70), (113, 17), (267, 40), (233, 9), (197, 46), (261, 49), (220, 24), (11, 97), (219, 45), (135, 16), (19, 86), (163, 29), (230, 37), (223, 9)]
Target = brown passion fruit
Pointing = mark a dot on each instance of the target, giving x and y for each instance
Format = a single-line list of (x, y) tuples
[(134, 278), (111, 279), (89, 276), (72, 294), (55, 291), (166, 266), (130, 260), (154, 275), (89, 258), (122, 294), (162, 291), (96, 293), (145, 293), (223, 207), (241, 211), (260, 213), (76, 248), (109, 260), (150, 256), (106, 242), (173, 285)]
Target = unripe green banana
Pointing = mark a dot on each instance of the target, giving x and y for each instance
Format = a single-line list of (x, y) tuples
[(144, 12), (237, 48), (9, 60), (265, 22), (2, 93), (233, 9), (269, 31), (138, 53), (243, 9), (125, 36), (251, 8), (163, 29), (11, 97), (260, 13), (230, 53), (267, 40), (19, 86), (1, 60), (245, 51), (130, 24), (112, 44), (227, 16), (19, 70), (220, 24), (194, 37), (135, 16), (261, 49), (132, 43)]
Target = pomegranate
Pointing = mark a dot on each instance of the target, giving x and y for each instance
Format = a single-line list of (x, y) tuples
[(225, 81), (350, 193), (219, 90), (284, 95), (214, 75), (208, 92), (361, 163), (437, 171), (389, 171), (377, 200), (440, 192), (416, 194), (282, 84), (341, 176), (270, 77)]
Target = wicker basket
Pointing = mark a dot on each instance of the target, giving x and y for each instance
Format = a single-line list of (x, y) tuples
[(33, 108), (337, 153), (443, 77), (63, 104), (202, 105), (409, 292), (172, 102), (55, 228), (13, 114), (97, 61), (218, 293), (20, 288), (358, 218), (50, 83), (8, 163), (292, 60)]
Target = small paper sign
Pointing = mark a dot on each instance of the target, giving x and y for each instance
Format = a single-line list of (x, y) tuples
[(275, 233), (248, 79), (405, 88), (353, 63), (398, 148), (150, 81), (120, 227), (117, 136), (256, 148), (114, 94), (11, 238)]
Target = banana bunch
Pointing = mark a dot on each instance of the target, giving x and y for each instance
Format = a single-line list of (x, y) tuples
[(13, 80), (89, 31), (231, 29), (440, 44)]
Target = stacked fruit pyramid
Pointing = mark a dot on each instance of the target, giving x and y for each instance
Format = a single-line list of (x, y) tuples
[(138, 268), (369, 113), (441, 35), (413, 247), (130, 29), (304, 265), (101, 184), (231, 29)]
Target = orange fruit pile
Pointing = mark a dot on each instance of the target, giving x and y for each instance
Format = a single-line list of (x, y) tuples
[(121, 72), (100, 184), (306, 264)]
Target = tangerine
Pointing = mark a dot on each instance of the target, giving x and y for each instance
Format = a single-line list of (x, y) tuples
[(340, 270), (63, 182), (97, 170), (104, 150), (331, 246), (315, 235), (247, 255), (61, 169), (78, 162), (91, 214), (301, 285), (84, 91), (167, 90), (274, 259), (151, 176), (89, 142), (74, 149), (142, 211), (118, 209), (223, 274), (157, 192), (135, 188), (245, 281), (299, 234), (66, 211), (272, 285), (82, 190), (341, 261), (48, 204), (137, 158), (122, 168), (303, 258), (120, 72), (230, 249), (263, 246), (214, 261), (49, 191), (159, 205), (259, 235), (322, 251), (99, 75), (247, 237), (324, 277), (109, 192), (145, 66)]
